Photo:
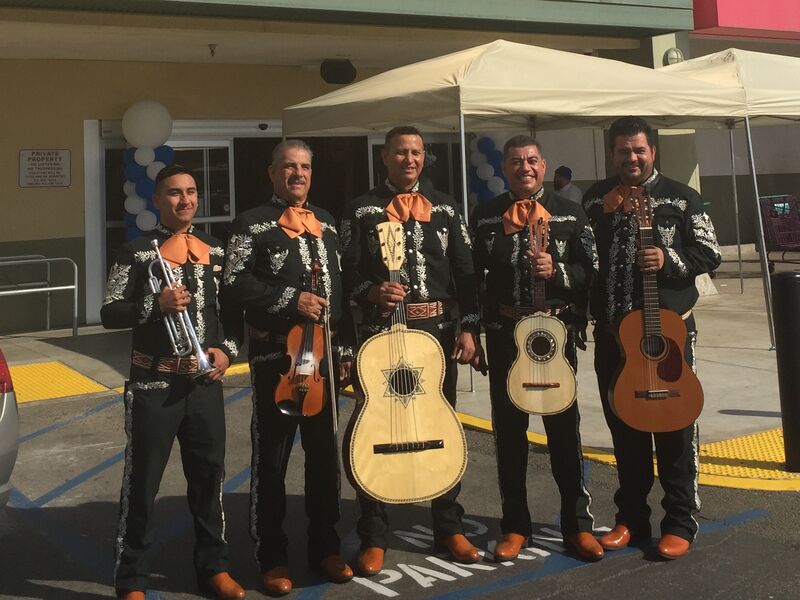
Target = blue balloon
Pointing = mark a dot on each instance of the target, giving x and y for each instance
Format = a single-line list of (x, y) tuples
[(165, 154), (131, 233), (145, 188), (486, 145), (484, 196), (495, 158), (135, 172), (127, 158), (129, 219), (480, 185)]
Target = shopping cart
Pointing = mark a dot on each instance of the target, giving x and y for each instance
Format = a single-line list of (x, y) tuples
[(781, 227)]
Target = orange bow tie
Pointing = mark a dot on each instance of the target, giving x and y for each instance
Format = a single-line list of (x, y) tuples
[(404, 206), (622, 198), (523, 213), (296, 221), (184, 248)]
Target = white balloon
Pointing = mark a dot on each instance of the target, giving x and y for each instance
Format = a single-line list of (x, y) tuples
[(147, 124), (129, 187), (144, 156), (146, 220), (154, 168), (135, 204), (496, 185), (485, 171), (473, 144), (477, 159)]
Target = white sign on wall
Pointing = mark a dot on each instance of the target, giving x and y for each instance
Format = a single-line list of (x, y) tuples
[(44, 168)]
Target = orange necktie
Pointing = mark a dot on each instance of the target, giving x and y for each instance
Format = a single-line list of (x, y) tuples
[(296, 221), (622, 198), (404, 206), (523, 213), (184, 248)]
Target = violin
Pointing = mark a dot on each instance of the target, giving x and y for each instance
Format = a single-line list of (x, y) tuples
[(301, 389)]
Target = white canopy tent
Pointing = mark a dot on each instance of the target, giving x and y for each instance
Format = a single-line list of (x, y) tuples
[(770, 84), (504, 85)]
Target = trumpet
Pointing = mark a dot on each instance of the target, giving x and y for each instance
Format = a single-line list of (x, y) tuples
[(179, 325)]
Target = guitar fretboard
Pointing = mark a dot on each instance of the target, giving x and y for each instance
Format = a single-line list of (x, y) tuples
[(650, 307)]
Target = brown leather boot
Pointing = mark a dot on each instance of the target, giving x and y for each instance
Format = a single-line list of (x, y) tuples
[(461, 549), (224, 587), (335, 569), (370, 561), (584, 546), (672, 546), (508, 548), (616, 539), (276, 581), (131, 596)]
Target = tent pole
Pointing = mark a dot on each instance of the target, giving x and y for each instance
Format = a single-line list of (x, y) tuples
[(760, 233), (464, 192), (736, 206)]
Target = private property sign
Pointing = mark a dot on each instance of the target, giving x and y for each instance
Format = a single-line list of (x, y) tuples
[(44, 168)]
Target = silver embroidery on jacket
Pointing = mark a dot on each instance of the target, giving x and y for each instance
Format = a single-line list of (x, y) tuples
[(444, 208), (561, 247), (678, 203), (322, 253), (676, 259), (667, 235), (200, 303), (514, 259), (117, 280), (703, 230), (465, 232), (143, 256), (562, 218), (283, 301), (305, 252), (361, 211), (216, 251), (589, 247), (563, 268), (489, 221), (276, 260), (258, 228), (233, 348), (240, 247), (147, 308), (443, 238), (422, 269)]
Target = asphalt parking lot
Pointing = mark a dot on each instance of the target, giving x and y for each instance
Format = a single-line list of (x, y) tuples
[(56, 534)]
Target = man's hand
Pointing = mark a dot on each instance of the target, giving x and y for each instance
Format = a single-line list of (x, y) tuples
[(344, 373), (542, 265), (310, 306), (479, 360), (650, 259), (220, 361), (174, 300), (464, 350), (386, 294)]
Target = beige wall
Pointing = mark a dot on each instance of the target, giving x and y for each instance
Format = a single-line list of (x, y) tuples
[(47, 101)]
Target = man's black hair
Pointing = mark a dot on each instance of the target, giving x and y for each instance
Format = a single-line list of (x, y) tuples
[(172, 170), (402, 130), (521, 141), (629, 127)]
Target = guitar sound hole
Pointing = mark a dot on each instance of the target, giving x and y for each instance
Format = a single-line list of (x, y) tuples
[(540, 345), (654, 346), (403, 382)]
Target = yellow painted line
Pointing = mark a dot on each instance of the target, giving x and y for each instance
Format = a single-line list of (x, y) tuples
[(238, 369), (48, 380), (119, 389), (751, 462)]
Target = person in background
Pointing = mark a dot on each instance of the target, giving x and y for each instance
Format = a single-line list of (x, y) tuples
[(563, 186)]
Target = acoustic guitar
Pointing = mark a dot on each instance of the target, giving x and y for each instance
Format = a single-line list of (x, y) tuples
[(655, 389), (541, 381), (406, 443)]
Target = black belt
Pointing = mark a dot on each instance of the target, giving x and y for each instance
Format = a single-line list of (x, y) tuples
[(518, 312)]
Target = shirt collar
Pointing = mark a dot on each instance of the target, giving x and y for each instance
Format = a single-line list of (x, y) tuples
[(536, 196), (396, 190)]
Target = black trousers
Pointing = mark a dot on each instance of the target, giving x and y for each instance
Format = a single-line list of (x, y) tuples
[(273, 436), (373, 525), (158, 408), (510, 432), (676, 453)]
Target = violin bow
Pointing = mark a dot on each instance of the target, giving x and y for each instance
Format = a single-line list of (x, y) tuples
[(331, 382)]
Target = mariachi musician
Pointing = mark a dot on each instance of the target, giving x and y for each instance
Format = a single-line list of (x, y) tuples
[(437, 277), (685, 247), (503, 251), (268, 263), (164, 397)]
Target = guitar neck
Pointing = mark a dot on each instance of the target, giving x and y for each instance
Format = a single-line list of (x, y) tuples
[(650, 305), (399, 311)]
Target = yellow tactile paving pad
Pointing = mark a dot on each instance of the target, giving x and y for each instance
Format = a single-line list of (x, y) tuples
[(48, 380), (753, 462)]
